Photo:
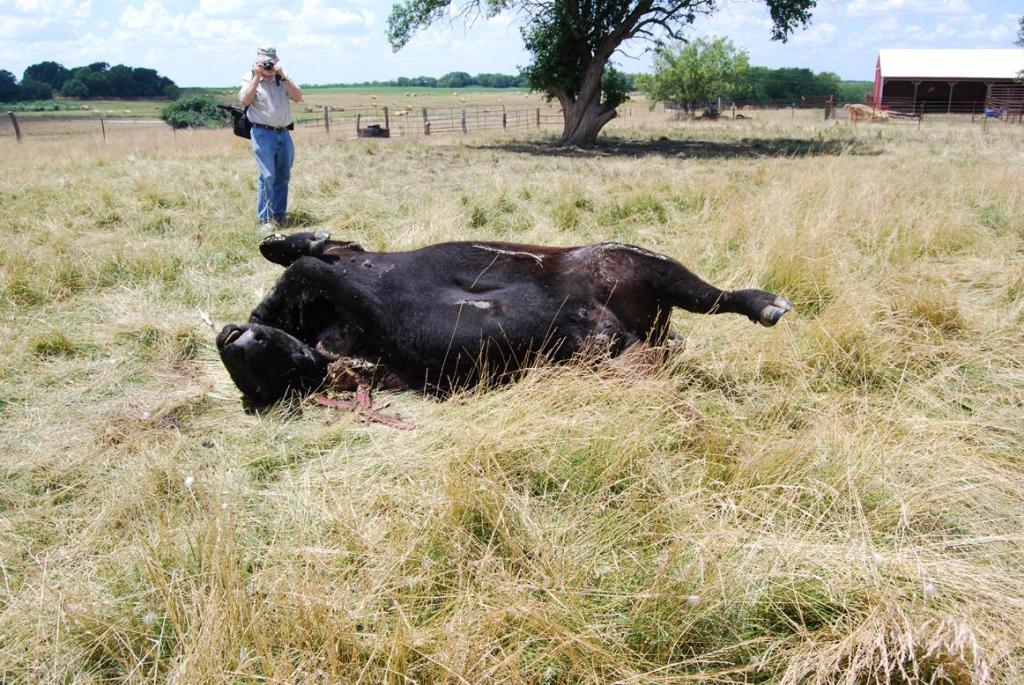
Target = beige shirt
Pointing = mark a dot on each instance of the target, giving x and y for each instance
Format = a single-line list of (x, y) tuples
[(270, 106)]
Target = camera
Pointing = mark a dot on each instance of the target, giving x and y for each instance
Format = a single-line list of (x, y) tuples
[(267, 64)]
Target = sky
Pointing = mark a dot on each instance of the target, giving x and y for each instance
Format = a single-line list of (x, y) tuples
[(213, 42)]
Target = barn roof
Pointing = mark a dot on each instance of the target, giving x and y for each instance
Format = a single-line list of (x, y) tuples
[(951, 64)]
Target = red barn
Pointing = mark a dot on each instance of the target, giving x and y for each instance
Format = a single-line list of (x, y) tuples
[(948, 80)]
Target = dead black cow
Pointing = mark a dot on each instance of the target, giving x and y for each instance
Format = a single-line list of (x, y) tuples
[(443, 316)]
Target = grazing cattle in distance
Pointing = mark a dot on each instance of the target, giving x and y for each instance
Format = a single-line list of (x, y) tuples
[(445, 316)]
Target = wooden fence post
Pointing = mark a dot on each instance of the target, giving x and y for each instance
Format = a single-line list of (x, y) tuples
[(17, 129), (359, 117), (504, 117), (103, 129), (327, 120), (387, 122), (464, 121), (426, 123), (538, 117)]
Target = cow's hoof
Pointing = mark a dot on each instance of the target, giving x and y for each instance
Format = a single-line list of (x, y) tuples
[(771, 314), (316, 245)]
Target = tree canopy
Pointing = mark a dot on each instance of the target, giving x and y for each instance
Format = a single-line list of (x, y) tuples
[(48, 72), (573, 41), (8, 86), (697, 72), (41, 81)]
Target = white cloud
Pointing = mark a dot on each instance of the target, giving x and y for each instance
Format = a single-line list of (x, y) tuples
[(52, 9), (152, 16), (860, 8), (12, 27), (818, 34), (320, 17), (226, 8)]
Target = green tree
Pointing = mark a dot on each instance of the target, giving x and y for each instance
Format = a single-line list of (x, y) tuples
[(828, 83), (35, 90), (572, 41), (615, 87), (48, 72), (455, 79), (8, 86), (854, 91), (74, 88), (696, 73)]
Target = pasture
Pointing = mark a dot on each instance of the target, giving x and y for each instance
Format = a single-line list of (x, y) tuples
[(837, 499)]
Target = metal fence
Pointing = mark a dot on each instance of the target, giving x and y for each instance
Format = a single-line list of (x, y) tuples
[(395, 122), (429, 120), (972, 111), (425, 121)]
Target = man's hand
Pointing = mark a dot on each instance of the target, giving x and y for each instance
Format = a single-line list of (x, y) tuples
[(261, 72)]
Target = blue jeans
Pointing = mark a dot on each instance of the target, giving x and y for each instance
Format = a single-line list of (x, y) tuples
[(274, 155)]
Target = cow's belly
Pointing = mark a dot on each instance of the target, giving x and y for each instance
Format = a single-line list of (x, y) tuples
[(449, 329)]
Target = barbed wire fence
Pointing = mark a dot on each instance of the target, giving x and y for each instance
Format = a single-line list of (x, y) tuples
[(425, 121), (384, 121), (360, 121)]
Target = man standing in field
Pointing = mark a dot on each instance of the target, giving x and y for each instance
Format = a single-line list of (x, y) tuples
[(266, 91)]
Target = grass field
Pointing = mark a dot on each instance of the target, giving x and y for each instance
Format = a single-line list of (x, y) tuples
[(839, 499)]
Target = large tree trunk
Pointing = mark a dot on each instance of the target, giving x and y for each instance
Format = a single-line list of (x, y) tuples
[(584, 114), (583, 121)]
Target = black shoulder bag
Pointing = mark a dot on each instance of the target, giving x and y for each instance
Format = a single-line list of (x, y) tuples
[(239, 121)]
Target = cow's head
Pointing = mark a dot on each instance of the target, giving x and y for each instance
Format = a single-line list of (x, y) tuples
[(268, 364)]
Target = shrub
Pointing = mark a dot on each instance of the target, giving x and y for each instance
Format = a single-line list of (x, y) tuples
[(74, 88), (194, 111)]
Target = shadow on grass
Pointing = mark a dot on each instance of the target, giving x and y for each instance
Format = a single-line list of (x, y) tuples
[(696, 149)]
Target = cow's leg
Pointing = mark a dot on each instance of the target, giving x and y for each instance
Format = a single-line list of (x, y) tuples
[(317, 302), (302, 302), (287, 249), (646, 285), (690, 292)]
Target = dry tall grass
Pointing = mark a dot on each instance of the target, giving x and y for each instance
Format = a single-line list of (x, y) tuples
[(839, 499)]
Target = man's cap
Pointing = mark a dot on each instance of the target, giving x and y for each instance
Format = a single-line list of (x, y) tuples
[(267, 52)]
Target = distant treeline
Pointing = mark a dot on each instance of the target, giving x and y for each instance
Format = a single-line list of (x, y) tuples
[(789, 84), (454, 79), (98, 80), (765, 85)]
